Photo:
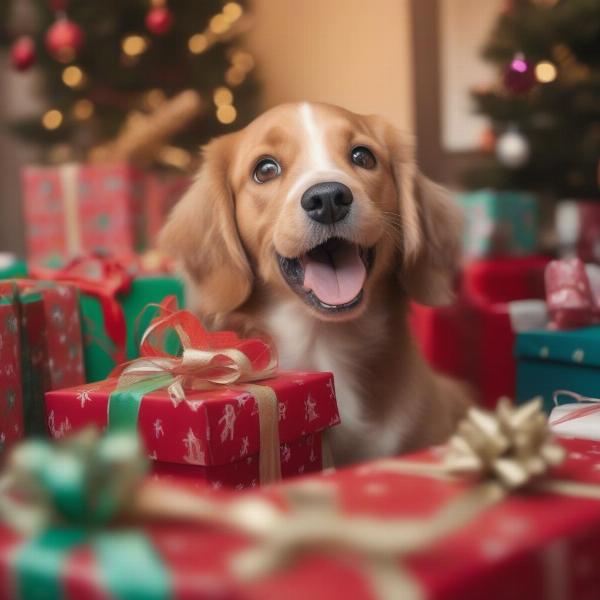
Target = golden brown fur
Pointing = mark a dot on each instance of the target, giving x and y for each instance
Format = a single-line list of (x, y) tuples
[(228, 231)]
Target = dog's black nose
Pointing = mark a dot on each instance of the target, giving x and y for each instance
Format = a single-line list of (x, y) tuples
[(327, 202)]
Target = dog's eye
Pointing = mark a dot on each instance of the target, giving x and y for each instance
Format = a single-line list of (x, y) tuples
[(363, 157), (265, 170)]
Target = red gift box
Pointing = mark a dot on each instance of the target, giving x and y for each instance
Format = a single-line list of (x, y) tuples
[(52, 345), (214, 433), (79, 209), (11, 387), (532, 544), (474, 338), (221, 409)]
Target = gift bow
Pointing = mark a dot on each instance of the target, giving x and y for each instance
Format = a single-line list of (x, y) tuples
[(103, 278), (208, 359)]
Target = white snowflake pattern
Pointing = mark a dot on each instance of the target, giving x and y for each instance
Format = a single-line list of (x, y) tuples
[(217, 485), (194, 453), (153, 455), (158, 429), (242, 399), (83, 397), (310, 409), (245, 446), (228, 421), (282, 411), (286, 453)]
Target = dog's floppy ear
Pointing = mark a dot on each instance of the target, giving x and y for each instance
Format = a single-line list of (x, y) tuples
[(201, 233), (431, 226)]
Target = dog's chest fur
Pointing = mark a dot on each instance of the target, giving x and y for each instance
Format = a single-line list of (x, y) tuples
[(304, 343)]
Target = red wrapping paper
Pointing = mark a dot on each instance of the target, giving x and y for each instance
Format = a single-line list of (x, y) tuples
[(569, 296), (473, 339), (114, 209), (11, 388), (528, 546), (216, 431)]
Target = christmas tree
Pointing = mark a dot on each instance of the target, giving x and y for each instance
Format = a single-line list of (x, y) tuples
[(106, 65), (545, 108)]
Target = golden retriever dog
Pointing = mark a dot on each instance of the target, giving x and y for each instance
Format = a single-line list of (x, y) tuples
[(314, 225)]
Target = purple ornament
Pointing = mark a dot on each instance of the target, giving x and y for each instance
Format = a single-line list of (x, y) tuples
[(519, 76)]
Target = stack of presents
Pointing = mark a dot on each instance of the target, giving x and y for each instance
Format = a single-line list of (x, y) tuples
[(93, 339)]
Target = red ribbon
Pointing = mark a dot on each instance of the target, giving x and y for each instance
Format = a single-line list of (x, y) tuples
[(194, 336), (103, 278)]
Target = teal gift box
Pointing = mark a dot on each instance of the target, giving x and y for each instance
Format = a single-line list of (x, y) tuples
[(499, 223), (144, 291), (549, 362)]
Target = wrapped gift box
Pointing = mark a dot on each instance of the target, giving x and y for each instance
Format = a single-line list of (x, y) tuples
[(78, 209), (530, 545), (579, 419), (474, 338), (98, 346), (499, 223), (551, 361), (214, 433), (578, 229), (11, 384), (51, 344)]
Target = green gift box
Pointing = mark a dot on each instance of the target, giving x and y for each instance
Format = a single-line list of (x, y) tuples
[(499, 223), (550, 362), (98, 346), (13, 269)]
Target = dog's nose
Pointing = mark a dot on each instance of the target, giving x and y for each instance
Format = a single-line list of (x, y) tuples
[(327, 202)]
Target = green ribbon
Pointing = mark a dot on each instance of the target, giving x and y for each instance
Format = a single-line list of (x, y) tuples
[(124, 403), (73, 489)]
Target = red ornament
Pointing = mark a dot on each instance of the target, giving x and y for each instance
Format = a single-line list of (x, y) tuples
[(64, 40), (22, 53), (519, 76), (487, 140), (159, 20)]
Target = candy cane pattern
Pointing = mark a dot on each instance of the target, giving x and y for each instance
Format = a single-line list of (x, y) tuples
[(228, 420)]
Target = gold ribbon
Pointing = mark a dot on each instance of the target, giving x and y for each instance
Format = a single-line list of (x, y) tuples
[(70, 196)]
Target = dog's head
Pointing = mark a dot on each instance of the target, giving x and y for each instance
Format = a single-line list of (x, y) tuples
[(317, 203)]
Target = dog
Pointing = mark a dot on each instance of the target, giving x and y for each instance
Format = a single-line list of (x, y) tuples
[(314, 225)]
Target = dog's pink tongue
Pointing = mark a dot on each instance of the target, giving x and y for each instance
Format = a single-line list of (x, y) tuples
[(335, 277)]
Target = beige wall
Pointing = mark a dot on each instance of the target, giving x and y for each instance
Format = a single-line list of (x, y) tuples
[(355, 53)]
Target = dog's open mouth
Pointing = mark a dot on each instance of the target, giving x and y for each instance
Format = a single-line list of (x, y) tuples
[(331, 276)]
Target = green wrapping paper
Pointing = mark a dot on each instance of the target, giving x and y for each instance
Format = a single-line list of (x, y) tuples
[(98, 348)]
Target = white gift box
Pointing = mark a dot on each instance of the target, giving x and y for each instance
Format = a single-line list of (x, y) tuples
[(580, 419)]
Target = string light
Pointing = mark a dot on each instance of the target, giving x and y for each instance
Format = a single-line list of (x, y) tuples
[(235, 76), (232, 11), (73, 77), (242, 60), (83, 110), (134, 45), (545, 72), (218, 24), (52, 119), (198, 43), (154, 98), (222, 96), (226, 114)]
